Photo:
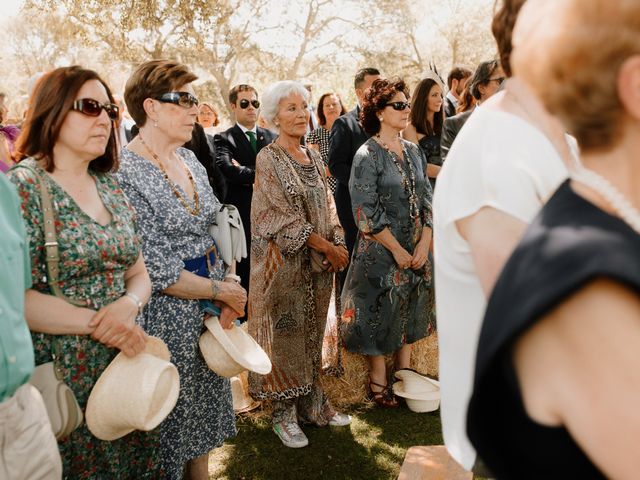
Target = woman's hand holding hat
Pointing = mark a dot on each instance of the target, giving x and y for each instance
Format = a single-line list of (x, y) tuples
[(227, 317), (233, 295), (115, 327)]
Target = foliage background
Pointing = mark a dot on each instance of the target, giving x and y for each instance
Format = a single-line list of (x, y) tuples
[(251, 41)]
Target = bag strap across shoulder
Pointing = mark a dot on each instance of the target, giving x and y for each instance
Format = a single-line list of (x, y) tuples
[(50, 241)]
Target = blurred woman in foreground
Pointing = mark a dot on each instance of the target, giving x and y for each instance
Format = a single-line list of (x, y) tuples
[(557, 371)]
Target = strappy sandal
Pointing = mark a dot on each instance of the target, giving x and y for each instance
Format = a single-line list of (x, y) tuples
[(385, 397)]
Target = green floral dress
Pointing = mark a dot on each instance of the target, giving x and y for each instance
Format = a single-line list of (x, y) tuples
[(93, 262)]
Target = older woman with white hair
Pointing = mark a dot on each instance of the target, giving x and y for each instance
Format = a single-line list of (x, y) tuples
[(296, 245)]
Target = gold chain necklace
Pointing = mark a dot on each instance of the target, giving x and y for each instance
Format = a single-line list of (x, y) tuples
[(196, 198)]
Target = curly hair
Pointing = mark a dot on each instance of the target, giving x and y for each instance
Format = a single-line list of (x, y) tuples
[(376, 99)]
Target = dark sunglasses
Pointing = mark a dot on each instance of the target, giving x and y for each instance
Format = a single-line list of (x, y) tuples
[(93, 108), (183, 99), (244, 103), (399, 105)]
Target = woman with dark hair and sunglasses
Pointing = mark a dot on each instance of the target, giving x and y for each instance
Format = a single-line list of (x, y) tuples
[(330, 107), (175, 206), (386, 304), (68, 142), (425, 127), (484, 83)]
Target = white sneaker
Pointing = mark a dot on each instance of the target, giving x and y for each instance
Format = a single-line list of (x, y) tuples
[(340, 420), (291, 434)]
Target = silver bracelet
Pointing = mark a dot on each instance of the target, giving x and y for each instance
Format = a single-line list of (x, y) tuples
[(215, 289), (233, 276), (136, 300)]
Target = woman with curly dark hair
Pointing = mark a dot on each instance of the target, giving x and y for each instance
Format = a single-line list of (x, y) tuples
[(386, 304)]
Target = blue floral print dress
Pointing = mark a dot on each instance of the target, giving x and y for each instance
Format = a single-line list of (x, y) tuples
[(384, 307), (203, 417)]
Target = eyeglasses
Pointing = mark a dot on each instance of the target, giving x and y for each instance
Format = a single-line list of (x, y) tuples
[(399, 105), (182, 99), (244, 103), (499, 80), (93, 108)]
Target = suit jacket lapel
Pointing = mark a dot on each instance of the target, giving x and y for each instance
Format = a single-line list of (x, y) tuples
[(262, 138), (242, 141)]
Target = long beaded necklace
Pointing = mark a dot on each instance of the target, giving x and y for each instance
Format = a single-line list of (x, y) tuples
[(196, 198), (408, 183), (620, 204)]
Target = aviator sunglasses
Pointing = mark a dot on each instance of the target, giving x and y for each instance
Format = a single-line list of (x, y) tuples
[(93, 108), (399, 105), (183, 99), (244, 103)]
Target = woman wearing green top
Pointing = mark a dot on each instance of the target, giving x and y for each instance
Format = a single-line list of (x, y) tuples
[(68, 142)]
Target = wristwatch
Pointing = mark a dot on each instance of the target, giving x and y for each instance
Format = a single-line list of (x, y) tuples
[(136, 300)]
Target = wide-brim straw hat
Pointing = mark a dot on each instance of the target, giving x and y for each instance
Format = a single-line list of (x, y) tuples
[(421, 393), (242, 401), (229, 352), (133, 393)]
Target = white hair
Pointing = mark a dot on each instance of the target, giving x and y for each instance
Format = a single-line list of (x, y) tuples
[(274, 94)]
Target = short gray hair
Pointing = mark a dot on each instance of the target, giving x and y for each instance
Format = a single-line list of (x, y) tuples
[(275, 93)]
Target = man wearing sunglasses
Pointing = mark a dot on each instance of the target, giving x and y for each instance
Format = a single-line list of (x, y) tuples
[(235, 151)]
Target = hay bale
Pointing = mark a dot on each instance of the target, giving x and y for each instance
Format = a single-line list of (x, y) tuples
[(352, 387)]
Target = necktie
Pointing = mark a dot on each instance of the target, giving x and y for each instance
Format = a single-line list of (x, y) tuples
[(252, 141)]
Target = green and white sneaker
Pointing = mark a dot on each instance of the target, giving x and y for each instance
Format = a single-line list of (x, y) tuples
[(290, 434)]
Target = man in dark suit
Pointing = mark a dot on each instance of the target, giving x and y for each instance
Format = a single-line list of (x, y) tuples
[(235, 151), (456, 81), (347, 136)]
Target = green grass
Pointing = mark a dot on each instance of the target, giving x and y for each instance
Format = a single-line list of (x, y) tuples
[(372, 447)]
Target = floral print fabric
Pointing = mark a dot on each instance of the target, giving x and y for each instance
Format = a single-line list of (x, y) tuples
[(384, 307), (93, 261), (203, 417)]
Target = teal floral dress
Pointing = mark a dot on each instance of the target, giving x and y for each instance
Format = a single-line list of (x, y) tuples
[(93, 262), (384, 307)]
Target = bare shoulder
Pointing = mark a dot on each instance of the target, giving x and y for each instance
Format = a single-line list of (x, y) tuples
[(578, 366)]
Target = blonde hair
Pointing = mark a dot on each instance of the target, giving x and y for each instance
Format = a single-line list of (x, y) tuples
[(572, 60)]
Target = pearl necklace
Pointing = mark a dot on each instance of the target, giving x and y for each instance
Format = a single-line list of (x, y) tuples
[(196, 198), (619, 203)]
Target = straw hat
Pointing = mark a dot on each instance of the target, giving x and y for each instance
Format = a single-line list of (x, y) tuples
[(230, 352), (133, 393), (421, 393), (242, 401)]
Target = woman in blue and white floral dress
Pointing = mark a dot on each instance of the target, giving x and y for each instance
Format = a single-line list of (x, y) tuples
[(175, 205)]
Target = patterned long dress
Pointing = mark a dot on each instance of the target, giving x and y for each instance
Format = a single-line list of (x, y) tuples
[(288, 303), (203, 417), (384, 307), (93, 261)]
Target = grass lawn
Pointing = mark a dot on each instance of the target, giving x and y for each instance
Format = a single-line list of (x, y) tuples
[(372, 447)]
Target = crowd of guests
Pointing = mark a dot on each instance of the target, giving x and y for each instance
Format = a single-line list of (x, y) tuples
[(523, 249)]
